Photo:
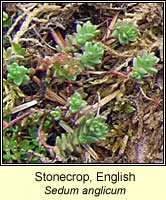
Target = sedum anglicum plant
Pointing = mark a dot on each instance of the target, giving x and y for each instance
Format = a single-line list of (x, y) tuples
[(92, 55), (75, 62), (56, 113), (85, 33), (92, 129), (76, 103), (66, 67), (125, 31), (143, 66), (17, 74), (67, 144)]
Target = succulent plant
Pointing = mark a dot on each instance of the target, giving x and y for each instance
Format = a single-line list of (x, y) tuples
[(93, 129), (17, 74), (66, 67), (92, 55), (6, 20), (67, 144), (76, 103), (143, 66), (85, 33), (56, 113), (64, 72), (125, 31)]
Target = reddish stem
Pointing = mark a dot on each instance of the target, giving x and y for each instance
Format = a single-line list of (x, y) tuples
[(7, 125), (41, 137), (117, 74)]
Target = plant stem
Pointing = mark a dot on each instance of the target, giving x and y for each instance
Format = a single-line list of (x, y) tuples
[(15, 121), (41, 137)]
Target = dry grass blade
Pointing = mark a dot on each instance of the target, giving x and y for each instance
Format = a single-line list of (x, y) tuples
[(58, 38), (30, 16), (66, 127), (106, 99), (98, 105), (24, 106), (91, 151), (52, 95), (102, 102), (109, 30)]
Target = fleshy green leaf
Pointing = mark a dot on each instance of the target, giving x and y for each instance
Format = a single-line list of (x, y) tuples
[(17, 74), (125, 32), (143, 66), (7, 23), (7, 156), (85, 33), (76, 103), (25, 145), (92, 55), (18, 49), (56, 113)]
